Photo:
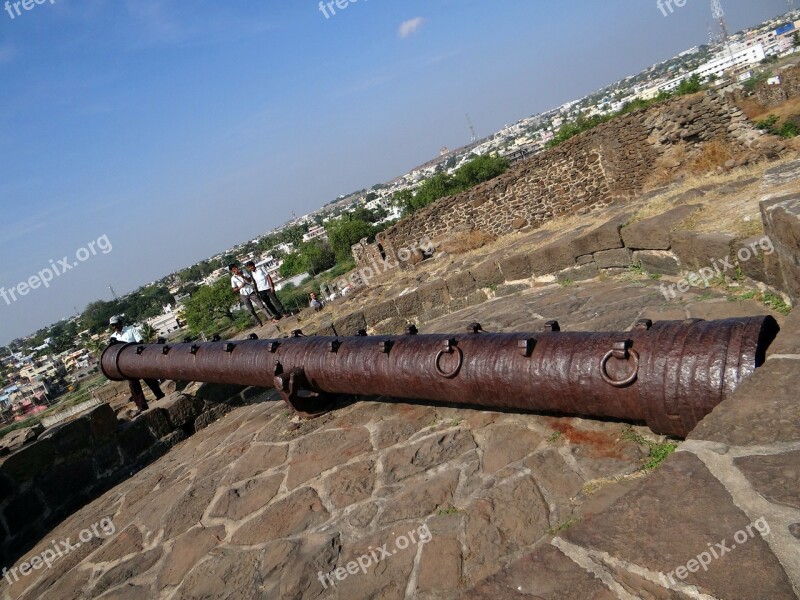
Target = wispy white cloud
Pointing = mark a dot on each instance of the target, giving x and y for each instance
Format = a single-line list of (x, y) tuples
[(7, 53), (410, 27), (442, 57), (170, 22)]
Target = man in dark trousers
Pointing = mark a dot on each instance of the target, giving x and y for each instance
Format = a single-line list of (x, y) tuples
[(266, 290), (242, 284), (131, 335)]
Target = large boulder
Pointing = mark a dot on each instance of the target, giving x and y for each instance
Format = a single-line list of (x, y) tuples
[(781, 215), (19, 437)]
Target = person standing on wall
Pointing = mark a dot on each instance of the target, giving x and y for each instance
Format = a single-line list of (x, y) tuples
[(131, 335), (242, 284), (266, 290)]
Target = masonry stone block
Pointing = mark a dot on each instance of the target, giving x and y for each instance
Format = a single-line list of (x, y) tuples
[(589, 271), (135, 438), (180, 409), (408, 305), (103, 422), (29, 461), (654, 233), (432, 295), (216, 392), (781, 216), (703, 250), (350, 325), (461, 284), (487, 274), (609, 259), (516, 267), (552, 258), (380, 312), (658, 262), (72, 437)]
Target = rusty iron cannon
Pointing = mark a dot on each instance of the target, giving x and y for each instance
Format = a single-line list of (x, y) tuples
[(668, 375)]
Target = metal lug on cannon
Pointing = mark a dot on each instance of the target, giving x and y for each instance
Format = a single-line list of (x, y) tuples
[(362, 333), (385, 346), (273, 347), (293, 388), (194, 348), (552, 326), (411, 329), (298, 333), (333, 346), (187, 340), (526, 347), (161, 340), (252, 336), (475, 328), (622, 350), (165, 350), (139, 349), (278, 368), (216, 338), (230, 347), (450, 346), (643, 324)]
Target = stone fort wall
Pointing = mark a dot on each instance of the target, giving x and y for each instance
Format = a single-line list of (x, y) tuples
[(609, 164)]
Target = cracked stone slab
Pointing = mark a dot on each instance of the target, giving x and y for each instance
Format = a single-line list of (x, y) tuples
[(775, 477), (546, 574), (764, 409), (652, 528)]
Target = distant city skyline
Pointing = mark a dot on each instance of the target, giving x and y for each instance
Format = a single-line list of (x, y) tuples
[(178, 131)]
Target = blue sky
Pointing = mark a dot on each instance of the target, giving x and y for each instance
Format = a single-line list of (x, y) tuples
[(179, 128)]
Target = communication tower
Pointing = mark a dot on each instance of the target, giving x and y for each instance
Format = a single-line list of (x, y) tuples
[(474, 137)]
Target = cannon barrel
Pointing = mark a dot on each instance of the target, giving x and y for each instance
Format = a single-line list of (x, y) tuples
[(669, 374)]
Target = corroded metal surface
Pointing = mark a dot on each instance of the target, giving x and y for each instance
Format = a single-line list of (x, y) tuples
[(668, 375)]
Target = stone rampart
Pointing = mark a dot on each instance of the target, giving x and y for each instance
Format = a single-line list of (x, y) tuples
[(53, 473), (609, 164)]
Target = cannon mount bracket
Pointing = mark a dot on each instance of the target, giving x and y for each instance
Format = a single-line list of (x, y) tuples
[(293, 386)]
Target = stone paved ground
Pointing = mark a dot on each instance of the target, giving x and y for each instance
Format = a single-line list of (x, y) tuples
[(247, 508)]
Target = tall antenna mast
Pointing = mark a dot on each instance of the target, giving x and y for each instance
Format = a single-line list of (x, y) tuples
[(113, 293), (712, 36), (719, 15), (472, 129)]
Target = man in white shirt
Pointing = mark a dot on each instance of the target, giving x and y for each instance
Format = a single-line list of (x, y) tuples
[(265, 288), (131, 335), (243, 285)]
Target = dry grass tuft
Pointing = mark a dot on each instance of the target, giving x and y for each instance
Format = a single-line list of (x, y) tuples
[(666, 168), (713, 155), (467, 241)]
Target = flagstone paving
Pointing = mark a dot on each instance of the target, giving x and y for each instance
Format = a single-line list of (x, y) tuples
[(405, 500)]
